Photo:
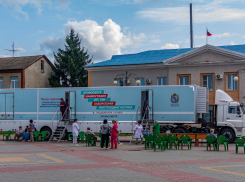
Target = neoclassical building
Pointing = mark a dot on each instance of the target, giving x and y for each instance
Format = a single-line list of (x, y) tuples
[(209, 66)]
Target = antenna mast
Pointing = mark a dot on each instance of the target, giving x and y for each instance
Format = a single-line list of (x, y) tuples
[(12, 50), (191, 26)]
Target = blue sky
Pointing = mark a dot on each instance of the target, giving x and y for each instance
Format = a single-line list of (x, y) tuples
[(110, 27)]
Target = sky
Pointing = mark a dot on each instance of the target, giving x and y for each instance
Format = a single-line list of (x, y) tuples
[(111, 27)]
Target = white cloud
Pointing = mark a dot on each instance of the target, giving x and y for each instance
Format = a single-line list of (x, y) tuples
[(226, 34), (4, 56), (101, 41), (170, 46), (21, 49), (17, 5), (232, 43), (212, 12), (155, 41)]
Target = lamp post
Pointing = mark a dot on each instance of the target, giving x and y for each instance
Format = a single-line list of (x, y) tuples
[(239, 71), (126, 77)]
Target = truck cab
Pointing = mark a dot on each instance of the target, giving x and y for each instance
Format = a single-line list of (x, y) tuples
[(230, 118)]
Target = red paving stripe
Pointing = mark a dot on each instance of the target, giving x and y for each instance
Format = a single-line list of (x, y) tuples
[(206, 161), (172, 175), (47, 168)]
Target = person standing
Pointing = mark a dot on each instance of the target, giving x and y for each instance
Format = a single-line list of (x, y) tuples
[(114, 134), (138, 132), (105, 128), (31, 130), (62, 108), (156, 128), (75, 130)]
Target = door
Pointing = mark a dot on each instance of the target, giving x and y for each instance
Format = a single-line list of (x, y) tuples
[(71, 104), (6, 106), (150, 104), (234, 116), (147, 104)]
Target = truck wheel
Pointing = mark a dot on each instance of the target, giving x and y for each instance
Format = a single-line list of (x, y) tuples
[(49, 132), (180, 130), (228, 133), (163, 130)]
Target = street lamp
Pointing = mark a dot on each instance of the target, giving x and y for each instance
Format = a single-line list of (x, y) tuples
[(126, 77), (239, 71)]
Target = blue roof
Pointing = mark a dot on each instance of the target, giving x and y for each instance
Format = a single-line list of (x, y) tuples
[(155, 56)]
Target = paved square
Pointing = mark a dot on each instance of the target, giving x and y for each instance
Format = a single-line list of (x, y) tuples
[(42, 161)]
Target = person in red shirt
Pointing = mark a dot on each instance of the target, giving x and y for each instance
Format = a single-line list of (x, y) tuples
[(114, 134)]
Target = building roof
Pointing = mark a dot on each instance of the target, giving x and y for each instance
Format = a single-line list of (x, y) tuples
[(13, 63), (155, 56)]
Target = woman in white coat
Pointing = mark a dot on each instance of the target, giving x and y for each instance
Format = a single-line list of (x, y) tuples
[(75, 130), (138, 132)]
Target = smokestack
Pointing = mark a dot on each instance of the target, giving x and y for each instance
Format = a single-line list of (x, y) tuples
[(191, 26)]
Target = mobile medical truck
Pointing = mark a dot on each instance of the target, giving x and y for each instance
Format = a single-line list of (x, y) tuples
[(178, 108)]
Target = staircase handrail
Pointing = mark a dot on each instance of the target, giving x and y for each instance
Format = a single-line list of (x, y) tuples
[(133, 118)]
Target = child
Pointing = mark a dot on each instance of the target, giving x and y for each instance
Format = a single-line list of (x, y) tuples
[(26, 134)]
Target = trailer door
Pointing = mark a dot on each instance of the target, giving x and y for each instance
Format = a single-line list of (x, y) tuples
[(6, 106), (72, 105), (151, 104)]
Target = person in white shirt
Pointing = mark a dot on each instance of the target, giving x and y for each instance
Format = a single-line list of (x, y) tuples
[(75, 130), (138, 132), (18, 133)]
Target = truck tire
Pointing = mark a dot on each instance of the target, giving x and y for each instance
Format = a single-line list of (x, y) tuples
[(228, 133), (163, 129), (49, 132), (180, 130)]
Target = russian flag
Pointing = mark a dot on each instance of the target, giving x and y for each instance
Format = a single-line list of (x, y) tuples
[(208, 34)]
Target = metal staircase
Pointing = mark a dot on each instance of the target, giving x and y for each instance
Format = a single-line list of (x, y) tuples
[(144, 122), (60, 128)]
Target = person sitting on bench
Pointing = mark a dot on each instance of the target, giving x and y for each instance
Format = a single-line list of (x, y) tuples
[(89, 132), (18, 134)]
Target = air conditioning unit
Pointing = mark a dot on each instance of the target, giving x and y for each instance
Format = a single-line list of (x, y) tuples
[(148, 81), (219, 76)]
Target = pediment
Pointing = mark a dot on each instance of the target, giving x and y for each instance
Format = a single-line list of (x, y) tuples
[(204, 54)]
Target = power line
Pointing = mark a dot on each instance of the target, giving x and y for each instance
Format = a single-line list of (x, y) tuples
[(12, 50)]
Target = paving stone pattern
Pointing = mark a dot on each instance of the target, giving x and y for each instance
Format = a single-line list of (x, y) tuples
[(42, 161)]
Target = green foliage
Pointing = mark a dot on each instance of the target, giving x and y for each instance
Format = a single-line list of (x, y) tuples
[(68, 66)]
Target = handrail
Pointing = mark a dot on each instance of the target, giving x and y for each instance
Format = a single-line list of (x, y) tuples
[(134, 117), (55, 114)]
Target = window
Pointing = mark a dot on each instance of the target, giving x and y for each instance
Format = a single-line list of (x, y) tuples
[(162, 81), (233, 110), (142, 82), (207, 81), (230, 83), (1, 83), (119, 82), (184, 80), (14, 82), (42, 66)]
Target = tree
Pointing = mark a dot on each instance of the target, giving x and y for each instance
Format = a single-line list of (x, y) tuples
[(68, 68)]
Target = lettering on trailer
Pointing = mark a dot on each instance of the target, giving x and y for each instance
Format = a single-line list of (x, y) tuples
[(112, 103), (95, 96), (107, 112), (50, 102), (99, 99), (92, 92), (108, 116), (117, 107)]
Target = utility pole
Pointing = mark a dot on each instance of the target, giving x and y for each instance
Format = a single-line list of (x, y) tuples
[(191, 26), (12, 50)]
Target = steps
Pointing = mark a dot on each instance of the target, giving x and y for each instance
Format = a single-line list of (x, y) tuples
[(60, 129)]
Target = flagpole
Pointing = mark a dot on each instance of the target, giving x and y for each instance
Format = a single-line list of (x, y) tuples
[(206, 35)]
